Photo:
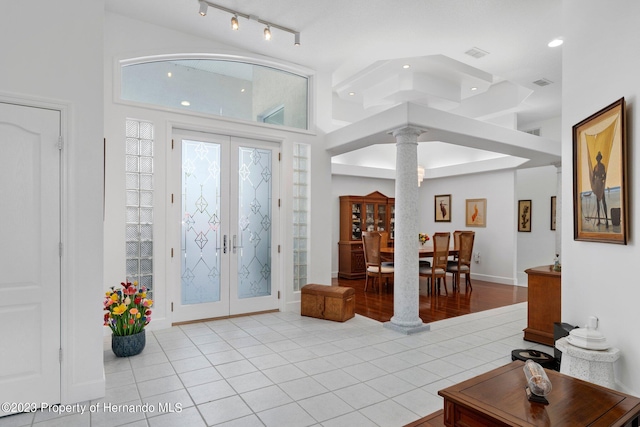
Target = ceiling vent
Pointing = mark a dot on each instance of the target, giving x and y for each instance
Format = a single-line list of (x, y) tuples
[(543, 82), (476, 52)]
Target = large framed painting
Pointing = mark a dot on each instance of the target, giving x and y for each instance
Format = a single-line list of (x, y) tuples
[(524, 215), (442, 208), (600, 176), (476, 212)]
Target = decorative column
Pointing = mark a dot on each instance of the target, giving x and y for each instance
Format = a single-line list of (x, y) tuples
[(406, 280), (558, 166)]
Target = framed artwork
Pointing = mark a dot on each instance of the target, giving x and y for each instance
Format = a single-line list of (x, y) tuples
[(524, 215), (476, 212), (553, 212), (442, 208), (600, 177)]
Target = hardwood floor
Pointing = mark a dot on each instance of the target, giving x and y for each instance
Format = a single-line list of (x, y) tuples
[(484, 296)]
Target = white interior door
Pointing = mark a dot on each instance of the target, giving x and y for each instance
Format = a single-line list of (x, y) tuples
[(29, 256), (227, 217)]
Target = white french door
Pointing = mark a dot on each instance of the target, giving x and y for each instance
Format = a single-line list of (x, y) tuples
[(225, 211), (29, 256)]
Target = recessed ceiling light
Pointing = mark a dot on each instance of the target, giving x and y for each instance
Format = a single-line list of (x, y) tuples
[(242, 90), (185, 103), (351, 93), (474, 88), (169, 74), (405, 66), (555, 42)]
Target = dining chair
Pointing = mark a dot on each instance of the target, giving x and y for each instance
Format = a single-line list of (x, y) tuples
[(438, 269), (456, 246), (373, 261), (463, 264)]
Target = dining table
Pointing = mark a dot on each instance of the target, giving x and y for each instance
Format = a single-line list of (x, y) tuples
[(424, 251)]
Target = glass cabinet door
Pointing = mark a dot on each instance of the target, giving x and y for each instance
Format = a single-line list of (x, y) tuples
[(382, 218), (370, 218), (356, 221), (392, 222)]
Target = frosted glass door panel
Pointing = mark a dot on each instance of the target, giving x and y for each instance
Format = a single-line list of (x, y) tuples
[(201, 233), (254, 222)]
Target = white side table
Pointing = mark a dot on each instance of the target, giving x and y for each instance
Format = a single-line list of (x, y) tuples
[(595, 366)]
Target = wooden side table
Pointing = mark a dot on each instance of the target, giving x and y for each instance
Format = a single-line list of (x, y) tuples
[(544, 304), (498, 398)]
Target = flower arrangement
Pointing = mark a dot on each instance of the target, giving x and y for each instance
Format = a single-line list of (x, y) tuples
[(127, 309), (423, 238)]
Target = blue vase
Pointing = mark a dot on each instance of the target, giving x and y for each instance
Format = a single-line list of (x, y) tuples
[(128, 345)]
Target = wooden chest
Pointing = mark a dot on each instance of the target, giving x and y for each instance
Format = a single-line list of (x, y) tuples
[(328, 302)]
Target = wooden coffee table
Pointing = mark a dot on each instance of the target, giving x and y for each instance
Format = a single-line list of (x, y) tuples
[(497, 398)]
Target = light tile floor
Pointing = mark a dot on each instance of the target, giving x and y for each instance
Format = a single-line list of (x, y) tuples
[(282, 370)]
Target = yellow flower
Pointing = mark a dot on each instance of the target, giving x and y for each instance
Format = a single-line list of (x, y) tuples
[(114, 297), (119, 309)]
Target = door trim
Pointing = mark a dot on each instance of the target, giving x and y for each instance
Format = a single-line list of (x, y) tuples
[(65, 287)]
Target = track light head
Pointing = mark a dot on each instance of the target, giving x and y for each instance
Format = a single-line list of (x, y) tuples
[(267, 32), (234, 23), (297, 39), (203, 8)]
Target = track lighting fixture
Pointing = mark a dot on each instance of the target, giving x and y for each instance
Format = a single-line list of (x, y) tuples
[(235, 24), (203, 8)]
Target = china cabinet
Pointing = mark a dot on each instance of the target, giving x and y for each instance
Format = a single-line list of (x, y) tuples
[(373, 212)]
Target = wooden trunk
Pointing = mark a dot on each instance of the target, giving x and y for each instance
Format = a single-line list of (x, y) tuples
[(328, 302)]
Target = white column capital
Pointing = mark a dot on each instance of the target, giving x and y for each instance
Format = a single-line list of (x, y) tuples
[(407, 134)]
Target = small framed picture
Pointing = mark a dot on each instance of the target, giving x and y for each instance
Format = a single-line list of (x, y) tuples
[(524, 215), (442, 208), (476, 212), (553, 212)]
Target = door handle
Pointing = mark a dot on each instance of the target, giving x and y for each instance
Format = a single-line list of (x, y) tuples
[(234, 244), (224, 244)]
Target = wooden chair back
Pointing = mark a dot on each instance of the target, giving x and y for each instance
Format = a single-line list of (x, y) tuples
[(371, 245), (384, 239), (440, 249), (465, 250)]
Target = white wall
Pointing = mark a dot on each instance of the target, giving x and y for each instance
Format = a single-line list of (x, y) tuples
[(537, 247), (127, 38), (599, 279), (50, 54), (496, 242)]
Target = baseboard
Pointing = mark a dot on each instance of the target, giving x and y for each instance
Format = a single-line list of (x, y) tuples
[(494, 279)]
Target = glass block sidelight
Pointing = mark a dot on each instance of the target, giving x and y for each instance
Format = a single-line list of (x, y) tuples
[(300, 214), (254, 222), (200, 235), (139, 202)]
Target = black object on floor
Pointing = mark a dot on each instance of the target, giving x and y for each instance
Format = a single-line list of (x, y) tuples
[(545, 360)]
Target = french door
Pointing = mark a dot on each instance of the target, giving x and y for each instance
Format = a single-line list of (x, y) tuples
[(225, 210)]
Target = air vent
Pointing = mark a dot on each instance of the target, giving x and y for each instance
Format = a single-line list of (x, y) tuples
[(543, 82), (476, 52), (535, 132)]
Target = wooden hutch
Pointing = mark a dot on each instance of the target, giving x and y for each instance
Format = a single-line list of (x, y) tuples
[(373, 212)]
